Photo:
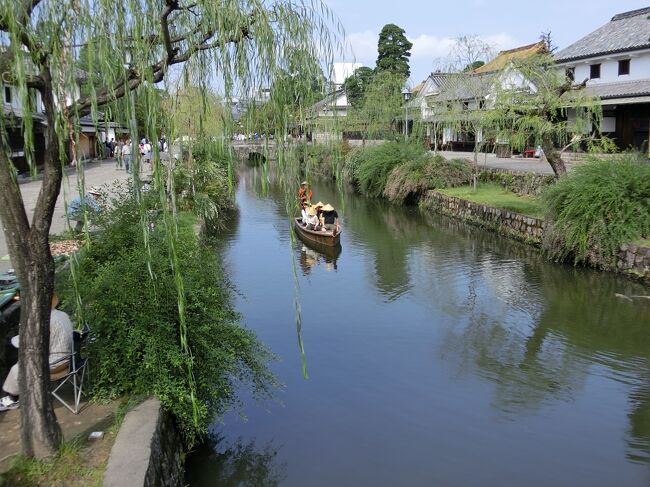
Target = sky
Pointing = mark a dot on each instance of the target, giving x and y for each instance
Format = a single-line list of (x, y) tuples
[(433, 26)]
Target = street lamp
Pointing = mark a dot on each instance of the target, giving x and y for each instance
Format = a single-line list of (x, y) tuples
[(406, 93)]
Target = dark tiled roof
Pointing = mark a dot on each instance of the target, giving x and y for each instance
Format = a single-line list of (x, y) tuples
[(462, 86), (621, 89), (625, 32)]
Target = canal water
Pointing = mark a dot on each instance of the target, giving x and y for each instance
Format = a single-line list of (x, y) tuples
[(436, 354)]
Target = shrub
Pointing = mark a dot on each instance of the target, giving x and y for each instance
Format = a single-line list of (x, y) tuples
[(201, 182), (410, 180), (130, 298), (369, 167), (597, 207)]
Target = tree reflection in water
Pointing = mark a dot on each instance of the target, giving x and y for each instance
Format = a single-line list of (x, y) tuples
[(237, 465)]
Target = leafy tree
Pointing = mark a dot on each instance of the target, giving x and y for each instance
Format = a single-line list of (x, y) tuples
[(382, 104), (473, 65), (532, 105), (234, 41), (355, 85), (394, 51)]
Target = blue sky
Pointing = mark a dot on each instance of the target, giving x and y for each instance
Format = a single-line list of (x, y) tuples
[(432, 26)]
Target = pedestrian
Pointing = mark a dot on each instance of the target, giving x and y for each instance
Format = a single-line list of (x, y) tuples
[(118, 154), (126, 154)]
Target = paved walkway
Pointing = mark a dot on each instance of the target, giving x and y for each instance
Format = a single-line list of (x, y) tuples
[(94, 417), (514, 164), (96, 174)]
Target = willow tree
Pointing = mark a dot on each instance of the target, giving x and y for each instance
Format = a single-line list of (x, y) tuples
[(134, 44), (535, 103)]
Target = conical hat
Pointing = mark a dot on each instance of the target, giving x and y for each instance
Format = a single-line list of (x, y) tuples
[(319, 204), (311, 211), (328, 207)]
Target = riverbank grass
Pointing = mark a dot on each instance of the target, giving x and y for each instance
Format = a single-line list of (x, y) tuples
[(494, 195)]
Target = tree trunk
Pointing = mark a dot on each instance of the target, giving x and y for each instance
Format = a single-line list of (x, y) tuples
[(553, 157), (30, 254)]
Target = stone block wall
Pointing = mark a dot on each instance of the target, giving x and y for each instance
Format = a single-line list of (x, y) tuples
[(148, 450), (517, 181), (634, 260), (505, 222)]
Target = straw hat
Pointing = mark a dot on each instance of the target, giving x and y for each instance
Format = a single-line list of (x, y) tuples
[(311, 211), (319, 204), (328, 207), (304, 183), (95, 190)]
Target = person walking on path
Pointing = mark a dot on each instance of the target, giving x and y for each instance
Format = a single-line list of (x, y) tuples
[(126, 154), (118, 154)]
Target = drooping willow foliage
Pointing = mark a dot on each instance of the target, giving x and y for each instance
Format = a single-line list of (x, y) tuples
[(107, 60)]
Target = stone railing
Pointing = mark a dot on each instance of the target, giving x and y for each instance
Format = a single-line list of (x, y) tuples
[(148, 450), (505, 222)]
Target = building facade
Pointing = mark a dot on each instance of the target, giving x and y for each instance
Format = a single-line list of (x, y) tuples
[(614, 61)]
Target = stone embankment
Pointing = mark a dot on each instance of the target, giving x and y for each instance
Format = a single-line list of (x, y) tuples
[(148, 450), (632, 260), (505, 222)]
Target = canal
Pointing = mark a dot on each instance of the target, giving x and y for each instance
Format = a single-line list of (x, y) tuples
[(436, 354)]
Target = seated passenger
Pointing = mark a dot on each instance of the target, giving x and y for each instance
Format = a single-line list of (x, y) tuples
[(331, 219), (312, 219), (303, 214)]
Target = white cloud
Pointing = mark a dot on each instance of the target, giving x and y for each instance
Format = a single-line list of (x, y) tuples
[(428, 51)]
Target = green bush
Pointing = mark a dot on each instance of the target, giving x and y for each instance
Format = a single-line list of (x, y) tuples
[(369, 167), (597, 207), (411, 179), (201, 182), (130, 298)]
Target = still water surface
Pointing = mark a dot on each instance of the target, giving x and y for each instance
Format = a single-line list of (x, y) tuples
[(437, 354)]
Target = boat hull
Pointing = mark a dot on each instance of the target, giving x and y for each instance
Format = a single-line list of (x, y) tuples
[(325, 239)]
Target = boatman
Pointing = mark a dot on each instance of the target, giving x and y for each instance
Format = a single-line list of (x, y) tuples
[(305, 193)]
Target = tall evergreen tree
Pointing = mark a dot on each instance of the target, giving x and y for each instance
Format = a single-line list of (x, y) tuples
[(394, 51)]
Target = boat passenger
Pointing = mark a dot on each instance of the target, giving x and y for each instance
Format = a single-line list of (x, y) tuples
[(303, 214), (312, 219), (331, 219)]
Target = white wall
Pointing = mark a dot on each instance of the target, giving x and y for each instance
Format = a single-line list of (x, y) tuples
[(639, 68)]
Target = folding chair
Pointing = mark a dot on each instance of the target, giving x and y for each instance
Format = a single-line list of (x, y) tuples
[(71, 369)]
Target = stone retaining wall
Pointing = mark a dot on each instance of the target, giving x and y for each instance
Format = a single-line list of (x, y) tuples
[(634, 260), (148, 451), (505, 222), (519, 182)]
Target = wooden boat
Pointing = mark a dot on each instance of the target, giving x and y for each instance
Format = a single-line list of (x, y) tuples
[(326, 239)]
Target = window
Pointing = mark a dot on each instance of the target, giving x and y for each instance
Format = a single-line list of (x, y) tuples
[(465, 105), (7, 95), (570, 74), (594, 71), (623, 67)]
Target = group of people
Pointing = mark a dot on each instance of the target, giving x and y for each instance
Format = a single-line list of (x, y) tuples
[(121, 150), (319, 216)]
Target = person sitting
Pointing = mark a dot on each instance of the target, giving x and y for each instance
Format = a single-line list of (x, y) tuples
[(61, 346), (312, 219), (91, 201), (331, 219), (303, 214)]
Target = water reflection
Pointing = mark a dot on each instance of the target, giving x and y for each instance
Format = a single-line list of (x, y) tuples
[(238, 464), (312, 256)]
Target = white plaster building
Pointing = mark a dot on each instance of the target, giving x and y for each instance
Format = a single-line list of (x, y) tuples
[(615, 61)]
